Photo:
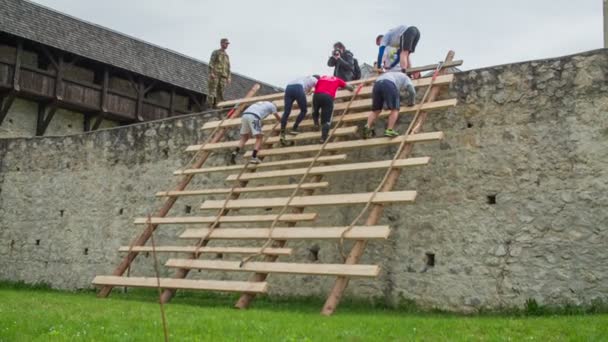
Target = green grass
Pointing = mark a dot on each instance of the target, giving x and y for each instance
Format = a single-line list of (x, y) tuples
[(40, 314)]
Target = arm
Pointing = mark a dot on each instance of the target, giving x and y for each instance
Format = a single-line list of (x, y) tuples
[(212, 62), (380, 54), (347, 62), (276, 116), (331, 62), (229, 73)]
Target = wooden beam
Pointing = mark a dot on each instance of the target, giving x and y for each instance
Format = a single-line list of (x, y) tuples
[(46, 112), (371, 271), (166, 207), (290, 233), (227, 219), (59, 89), (324, 159), (140, 100), (375, 211), (349, 118), (196, 101), (343, 131), (313, 201), (6, 101), (17, 72), (265, 188), (172, 102), (182, 284), (331, 169), (208, 250), (104, 91), (351, 144)]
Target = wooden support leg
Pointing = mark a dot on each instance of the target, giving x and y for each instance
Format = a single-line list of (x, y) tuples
[(6, 101), (46, 112), (375, 212)]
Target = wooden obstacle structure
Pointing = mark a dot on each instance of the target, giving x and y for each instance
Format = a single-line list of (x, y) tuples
[(308, 161)]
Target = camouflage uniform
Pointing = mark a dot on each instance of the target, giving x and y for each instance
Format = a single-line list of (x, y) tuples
[(219, 65)]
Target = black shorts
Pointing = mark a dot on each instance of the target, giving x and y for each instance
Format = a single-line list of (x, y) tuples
[(385, 95), (409, 39)]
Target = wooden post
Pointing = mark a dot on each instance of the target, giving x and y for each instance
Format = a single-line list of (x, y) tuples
[(58, 78), (172, 102), (46, 112), (376, 210), (17, 71), (140, 100), (164, 210), (6, 101)]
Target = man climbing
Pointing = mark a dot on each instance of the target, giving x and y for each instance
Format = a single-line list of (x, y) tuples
[(402, 37), (219, 74), (296, 90), (343, 62), (251, 125), (323, 102), (386, 93)]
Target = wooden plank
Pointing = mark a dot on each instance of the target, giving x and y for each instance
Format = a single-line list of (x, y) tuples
[(313, 201), (330, 169), (367, 92), (269, 121), (183, 284), (291, 233), (265, 188), (278, 96), (324, 159), (206, 249), (227, 219), (351, 144), (371, 271), (343, 131)]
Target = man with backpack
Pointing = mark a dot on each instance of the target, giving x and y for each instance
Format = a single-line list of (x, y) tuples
[(345, 65)]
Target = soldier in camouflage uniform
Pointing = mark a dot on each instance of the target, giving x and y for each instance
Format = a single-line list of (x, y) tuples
[(219, 74)]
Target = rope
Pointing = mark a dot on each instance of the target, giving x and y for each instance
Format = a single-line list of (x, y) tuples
[(392, 164), (160, 302), (219, 215), (302, 179)]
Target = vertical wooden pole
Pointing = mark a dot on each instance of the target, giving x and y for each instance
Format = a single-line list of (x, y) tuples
[(17, 71), (164, 210), (59, 78), (376, 210), (172, 102)]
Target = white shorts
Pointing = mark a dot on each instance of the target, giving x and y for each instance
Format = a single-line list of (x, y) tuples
[(250, 124)]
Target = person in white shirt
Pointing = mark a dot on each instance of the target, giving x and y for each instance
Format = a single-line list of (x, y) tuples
[(296, 91), (391, 54), (251, 125), (386, 94), (402, 37)]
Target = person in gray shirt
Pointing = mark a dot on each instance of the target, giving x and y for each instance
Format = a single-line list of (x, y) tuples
[(251, 125), (386, 94)]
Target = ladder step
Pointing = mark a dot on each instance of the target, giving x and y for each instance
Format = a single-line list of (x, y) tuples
[(183, 284), (278, 267), (207, 249), (313, 201), (323, 159), (227, 219), (351, 144), (349, 118), (295, 233), (343, 131), (265, 188), (326, 170), (367, 92)]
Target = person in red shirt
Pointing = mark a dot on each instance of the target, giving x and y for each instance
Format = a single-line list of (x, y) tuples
[(323, 102)]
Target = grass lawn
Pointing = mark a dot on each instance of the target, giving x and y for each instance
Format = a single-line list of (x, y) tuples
[(46, 315)]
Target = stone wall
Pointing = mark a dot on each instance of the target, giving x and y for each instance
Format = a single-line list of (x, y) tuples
[(512, 206)]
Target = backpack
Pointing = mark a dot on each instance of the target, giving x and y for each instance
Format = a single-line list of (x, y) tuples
[(356, 70)]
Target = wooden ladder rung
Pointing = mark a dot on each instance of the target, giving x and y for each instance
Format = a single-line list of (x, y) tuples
[(326, 170), (292, 233), (265, 188), (183, 284), (344, 131), (227, 219), (313, 201), (351, 144), (278, 267), (207, 250), (323, 159), (349, 118)]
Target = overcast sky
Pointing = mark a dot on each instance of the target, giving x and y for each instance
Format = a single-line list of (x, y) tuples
[(275, 41)]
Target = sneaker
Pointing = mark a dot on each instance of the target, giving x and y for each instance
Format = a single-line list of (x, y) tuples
[(294, 131), (283, 140), (322, 140), (390, 133), (233, 156), (255, 160), (316, 127), (367, 132)]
